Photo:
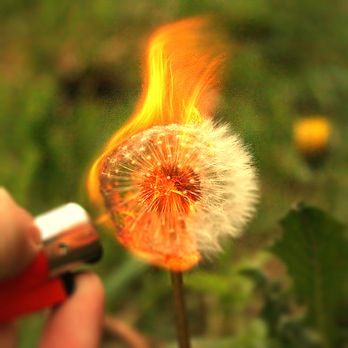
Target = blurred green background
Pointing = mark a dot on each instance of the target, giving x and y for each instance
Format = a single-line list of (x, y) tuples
[(70, 74)]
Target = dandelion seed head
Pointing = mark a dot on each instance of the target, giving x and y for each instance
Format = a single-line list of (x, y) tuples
[(175, 191)]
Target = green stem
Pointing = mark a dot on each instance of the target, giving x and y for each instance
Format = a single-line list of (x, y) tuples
[(182, 327)]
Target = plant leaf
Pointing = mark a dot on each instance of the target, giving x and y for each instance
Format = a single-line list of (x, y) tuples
[(314, 249)]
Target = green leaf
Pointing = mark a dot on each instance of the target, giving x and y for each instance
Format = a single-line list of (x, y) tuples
[(314, 249)]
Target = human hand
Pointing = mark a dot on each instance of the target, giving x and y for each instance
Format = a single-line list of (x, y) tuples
[(78, 321)]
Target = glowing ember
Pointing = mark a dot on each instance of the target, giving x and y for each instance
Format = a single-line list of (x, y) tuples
[(174, 183)]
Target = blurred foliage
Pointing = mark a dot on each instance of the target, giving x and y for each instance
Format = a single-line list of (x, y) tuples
[(69, 77), (314, 247)]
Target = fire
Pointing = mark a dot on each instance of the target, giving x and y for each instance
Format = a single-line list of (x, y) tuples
[(162, 177), (182, 64)]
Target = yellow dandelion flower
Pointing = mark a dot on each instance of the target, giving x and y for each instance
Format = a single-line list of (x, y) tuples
[(312, 135)]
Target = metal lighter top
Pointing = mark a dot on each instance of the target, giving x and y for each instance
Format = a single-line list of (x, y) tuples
[(69, 238)]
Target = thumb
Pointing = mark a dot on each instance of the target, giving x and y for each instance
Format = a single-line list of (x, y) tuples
[(78, 322), (19, 238)]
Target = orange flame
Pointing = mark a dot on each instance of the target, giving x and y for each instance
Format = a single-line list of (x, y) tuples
[(183, 61)]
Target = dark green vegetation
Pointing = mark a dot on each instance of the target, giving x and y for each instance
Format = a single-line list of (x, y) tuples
[(69, 77)]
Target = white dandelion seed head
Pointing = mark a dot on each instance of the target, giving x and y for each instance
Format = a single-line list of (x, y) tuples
[(193, 179)]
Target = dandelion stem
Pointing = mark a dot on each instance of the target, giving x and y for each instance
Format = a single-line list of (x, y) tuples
[(182, 327)]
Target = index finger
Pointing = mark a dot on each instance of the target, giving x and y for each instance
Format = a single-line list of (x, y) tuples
[(19, 238)]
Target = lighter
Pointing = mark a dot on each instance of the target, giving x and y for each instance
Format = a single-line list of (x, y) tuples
[(68, 241)]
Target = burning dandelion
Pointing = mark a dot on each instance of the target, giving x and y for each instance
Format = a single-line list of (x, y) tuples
[(173, 191), (173, 182)]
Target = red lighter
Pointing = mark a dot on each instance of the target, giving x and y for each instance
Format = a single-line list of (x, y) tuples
[(69, 240)]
